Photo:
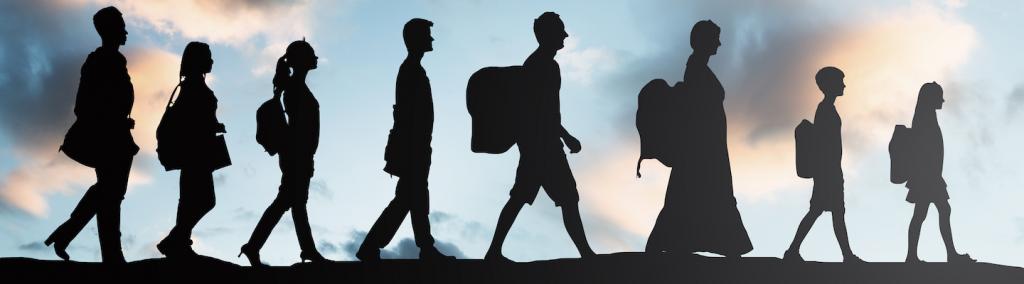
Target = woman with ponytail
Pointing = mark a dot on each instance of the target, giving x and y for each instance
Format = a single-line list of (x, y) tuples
[(299, 144), (201, 148)]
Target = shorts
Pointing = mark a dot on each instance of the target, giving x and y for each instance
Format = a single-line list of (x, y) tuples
[(549, 171)]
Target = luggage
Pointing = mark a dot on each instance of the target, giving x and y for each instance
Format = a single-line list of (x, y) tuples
[(900, 154), (494, 98), (659, 109), (806, 149)]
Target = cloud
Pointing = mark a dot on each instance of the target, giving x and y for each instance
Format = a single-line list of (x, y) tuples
[(33, 247), (403, 249), (582, 64), (42, 59), (230, 22)]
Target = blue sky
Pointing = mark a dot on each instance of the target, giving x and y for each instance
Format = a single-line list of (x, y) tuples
[(769, 55)]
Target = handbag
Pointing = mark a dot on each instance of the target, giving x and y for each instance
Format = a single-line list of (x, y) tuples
[(80, 146), (168, 136), (219, 157)]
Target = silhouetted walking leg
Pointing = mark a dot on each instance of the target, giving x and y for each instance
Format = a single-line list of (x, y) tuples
[(197, 198), (505, 220), (300, 217), (793, 253), (574, 225), (839, 226), (266, 224), (113, 180), (947, 234), (914, 233), (80, 216)]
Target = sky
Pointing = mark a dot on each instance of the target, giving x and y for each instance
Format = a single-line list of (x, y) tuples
[(770, 52)]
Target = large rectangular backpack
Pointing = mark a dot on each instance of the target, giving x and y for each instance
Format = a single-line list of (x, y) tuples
[(659, 110), (900, 154), (806, 149), (494, 98)]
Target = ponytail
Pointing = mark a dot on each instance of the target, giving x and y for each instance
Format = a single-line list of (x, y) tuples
[(282, 76)]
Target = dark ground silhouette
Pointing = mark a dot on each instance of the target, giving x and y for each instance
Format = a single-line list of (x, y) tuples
[(612, 268)]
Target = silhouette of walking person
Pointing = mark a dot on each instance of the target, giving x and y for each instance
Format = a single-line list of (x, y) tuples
[(195, 112), (700, 213), (299, 143), (827, 193), (101, 138), (408, 151), (925, 183), (542, 161)]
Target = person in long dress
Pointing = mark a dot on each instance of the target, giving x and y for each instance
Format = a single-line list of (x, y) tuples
[(700, 213)]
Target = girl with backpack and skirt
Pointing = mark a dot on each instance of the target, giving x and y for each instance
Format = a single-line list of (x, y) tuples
[(925, 183)]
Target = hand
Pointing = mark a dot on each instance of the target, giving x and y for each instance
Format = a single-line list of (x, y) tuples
[(220, 128), (131, 123), (572, 143)]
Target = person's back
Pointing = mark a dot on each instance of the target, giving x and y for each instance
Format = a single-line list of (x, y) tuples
[(105, 95)]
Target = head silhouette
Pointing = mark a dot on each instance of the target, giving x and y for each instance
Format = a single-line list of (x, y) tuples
[(416, 34), (704, 38), (550, 31), (196, 60), (930, 97), (110, 25), (830, 81), (299, 56)]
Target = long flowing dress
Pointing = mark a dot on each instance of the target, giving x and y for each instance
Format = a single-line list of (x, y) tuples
[(700, 212)]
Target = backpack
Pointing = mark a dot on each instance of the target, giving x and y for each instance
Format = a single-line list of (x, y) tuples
[(169, 148), (806, 149), (657, 109), (494, 100), (271, 125), (900, 154)]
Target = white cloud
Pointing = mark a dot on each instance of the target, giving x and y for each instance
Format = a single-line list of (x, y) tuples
[(581, 64)]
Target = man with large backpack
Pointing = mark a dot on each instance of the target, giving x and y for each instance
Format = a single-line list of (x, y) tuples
[(827, 156), (540, 136), (408, 151)]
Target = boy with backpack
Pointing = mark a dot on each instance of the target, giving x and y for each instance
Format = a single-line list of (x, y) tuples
[(827, 157)]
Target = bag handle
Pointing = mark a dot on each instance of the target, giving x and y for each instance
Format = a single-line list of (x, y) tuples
[(171, 99)]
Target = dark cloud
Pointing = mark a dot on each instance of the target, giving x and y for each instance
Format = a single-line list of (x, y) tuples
[(40, 59), (444, 222), (403, 249)]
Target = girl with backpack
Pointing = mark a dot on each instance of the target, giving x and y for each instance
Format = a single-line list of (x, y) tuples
[(296, 144), (925, 183)]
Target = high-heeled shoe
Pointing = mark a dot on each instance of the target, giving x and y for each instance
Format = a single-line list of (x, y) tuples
[(960, 258), (313, 256), (252, 255), (60, 248)]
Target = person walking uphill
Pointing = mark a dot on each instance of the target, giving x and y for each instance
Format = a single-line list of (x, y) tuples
[(196, 148), (408, 151), (101, 138), (298, 143)]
